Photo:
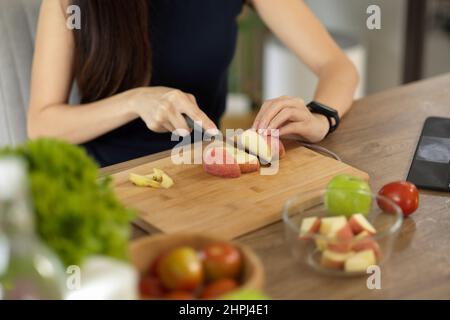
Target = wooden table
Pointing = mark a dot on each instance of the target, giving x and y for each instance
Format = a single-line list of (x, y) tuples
[(378, 136)]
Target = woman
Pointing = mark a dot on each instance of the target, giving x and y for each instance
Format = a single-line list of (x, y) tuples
[(141, 65)]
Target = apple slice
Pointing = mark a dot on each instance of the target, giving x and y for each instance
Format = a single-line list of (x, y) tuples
[(276, 147), (247, 162), (218, 162), (330, 225), (339, 232), (334, 260), (359, 262), (359, 223), (342, 239), (308, 227), (363, 241), (256, 144), (321, 244)]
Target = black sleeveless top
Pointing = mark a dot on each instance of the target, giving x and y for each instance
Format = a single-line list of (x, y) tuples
[(193, 43)]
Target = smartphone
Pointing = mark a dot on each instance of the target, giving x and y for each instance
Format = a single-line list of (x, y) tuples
[(430, 168)]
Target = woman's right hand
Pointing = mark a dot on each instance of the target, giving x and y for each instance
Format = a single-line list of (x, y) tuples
[(162, 110)]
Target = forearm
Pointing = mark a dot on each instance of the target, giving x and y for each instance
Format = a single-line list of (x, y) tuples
[(337, 84), (80, 123)]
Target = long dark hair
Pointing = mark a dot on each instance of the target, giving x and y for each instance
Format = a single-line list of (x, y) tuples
[(112, 48)]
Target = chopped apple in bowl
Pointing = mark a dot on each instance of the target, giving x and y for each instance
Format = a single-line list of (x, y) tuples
[(342, 244)]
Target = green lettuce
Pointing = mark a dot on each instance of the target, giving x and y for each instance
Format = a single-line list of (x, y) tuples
[(77, 213)]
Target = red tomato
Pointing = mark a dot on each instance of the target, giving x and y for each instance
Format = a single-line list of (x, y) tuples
[(181, 269), (151, 287), (154, 266), (180, 295), (218, 288), (404, 194), (221, 260)]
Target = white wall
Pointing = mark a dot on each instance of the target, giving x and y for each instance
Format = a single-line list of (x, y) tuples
[(385, 46)]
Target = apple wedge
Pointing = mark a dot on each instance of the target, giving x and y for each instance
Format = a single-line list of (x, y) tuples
[(330, 225), (334, 260), (359, 262), (256, 144), (363, 241), (247, 162), (338, 230), (276, 147), (321, 244), (220, 163), (308, 227), (359, 223)]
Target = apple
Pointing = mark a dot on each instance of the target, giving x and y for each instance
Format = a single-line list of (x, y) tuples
[(363, 241), (309, 226), (245, 294), (181, 269), (339, 233), (334, 260), (403, 193), (342, 239), (218, 162), (360, 261), (276, 146), (247, 162), (359, 223), (347, 195), (331, 225), (257, 145), (321, 244)]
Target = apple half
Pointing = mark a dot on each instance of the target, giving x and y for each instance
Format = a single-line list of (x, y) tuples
[(217, 161)]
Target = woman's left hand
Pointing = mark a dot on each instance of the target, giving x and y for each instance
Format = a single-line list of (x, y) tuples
[(292, 117)]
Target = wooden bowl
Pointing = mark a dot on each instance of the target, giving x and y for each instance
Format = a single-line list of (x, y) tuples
[(145, 250)]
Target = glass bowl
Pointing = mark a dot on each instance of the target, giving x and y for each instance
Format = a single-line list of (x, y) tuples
[(325, 253)]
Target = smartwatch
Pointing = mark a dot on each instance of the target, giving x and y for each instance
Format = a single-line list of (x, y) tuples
[(330, 113)]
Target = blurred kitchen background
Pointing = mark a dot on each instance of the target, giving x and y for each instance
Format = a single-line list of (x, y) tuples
[(412, 44)]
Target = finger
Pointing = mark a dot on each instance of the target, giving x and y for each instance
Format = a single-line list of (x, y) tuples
[(276, 107), (168, 127), (180, 125), (293, 128), (285, 115), (197, 115), (261, 112)]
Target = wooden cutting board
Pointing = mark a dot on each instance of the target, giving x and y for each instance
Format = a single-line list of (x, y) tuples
[(227, 208)]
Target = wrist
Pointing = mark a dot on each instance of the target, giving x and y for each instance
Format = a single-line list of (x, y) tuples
[(130, 98), (324, 123)]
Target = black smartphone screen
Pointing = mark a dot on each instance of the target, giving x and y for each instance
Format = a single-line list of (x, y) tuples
[(430, 168)]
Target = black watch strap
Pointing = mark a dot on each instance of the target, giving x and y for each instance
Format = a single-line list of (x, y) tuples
[(331, 114)]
